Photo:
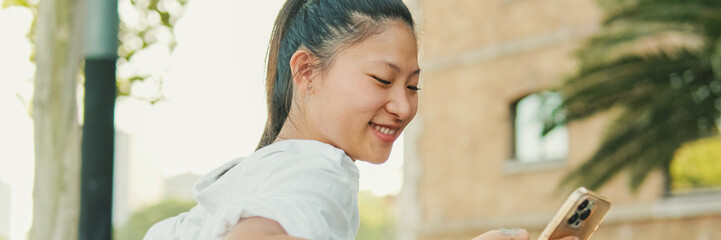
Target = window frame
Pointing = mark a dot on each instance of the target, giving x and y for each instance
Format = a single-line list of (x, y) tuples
[(514, 165)]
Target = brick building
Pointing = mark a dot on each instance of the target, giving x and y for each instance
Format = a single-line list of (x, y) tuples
[(462, 177)]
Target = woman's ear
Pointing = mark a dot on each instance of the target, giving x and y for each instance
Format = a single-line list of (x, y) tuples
[(302, 65)]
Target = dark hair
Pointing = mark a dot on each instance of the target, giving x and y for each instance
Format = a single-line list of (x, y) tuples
[(323, 27)]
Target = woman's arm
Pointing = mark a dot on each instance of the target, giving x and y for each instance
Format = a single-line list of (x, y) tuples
[(259, 228)]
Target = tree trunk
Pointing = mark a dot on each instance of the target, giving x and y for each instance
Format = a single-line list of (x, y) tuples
[(56, 192)]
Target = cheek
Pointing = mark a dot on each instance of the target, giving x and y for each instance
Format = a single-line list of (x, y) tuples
[(358, 97), (345, 108), (347, 104), (413, 101)]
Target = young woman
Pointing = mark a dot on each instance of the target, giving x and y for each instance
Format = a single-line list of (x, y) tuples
[(342, 84)]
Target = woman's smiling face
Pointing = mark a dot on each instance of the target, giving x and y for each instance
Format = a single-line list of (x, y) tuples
[(367, 95)]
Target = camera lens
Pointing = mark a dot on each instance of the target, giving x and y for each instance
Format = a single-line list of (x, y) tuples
[(583, 205), (585, 214), (573, 219)]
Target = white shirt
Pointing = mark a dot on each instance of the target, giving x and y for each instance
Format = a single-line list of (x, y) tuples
[(310, 188)]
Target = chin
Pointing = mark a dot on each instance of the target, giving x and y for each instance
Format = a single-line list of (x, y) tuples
[(376, 162), (371, 154), (376, 159)]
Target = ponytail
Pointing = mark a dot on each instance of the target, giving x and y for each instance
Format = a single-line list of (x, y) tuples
[(323, 27), (278, 95)]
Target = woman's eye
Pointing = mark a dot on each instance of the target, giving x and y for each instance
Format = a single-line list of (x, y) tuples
[(381, 80), (414, 88)]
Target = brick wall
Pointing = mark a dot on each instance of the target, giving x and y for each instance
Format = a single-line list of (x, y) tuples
[(477, 58)]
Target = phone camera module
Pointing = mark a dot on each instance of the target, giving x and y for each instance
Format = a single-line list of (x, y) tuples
[(583, 211), (583, 205), (585, 214), (573, 219)]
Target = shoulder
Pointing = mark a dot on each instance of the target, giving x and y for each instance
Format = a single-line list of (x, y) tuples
[(309, 188), (301, 148), (305, 162), (304, 155)]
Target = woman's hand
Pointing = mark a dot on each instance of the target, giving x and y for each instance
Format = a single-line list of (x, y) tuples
[(511, 234), (504, 234)]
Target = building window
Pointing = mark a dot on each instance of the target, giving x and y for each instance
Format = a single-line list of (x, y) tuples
[(529, 144)]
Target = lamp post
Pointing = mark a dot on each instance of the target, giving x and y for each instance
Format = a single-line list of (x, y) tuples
[(98, 128)]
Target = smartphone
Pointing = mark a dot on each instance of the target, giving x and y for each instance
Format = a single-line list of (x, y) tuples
[(579, 216)]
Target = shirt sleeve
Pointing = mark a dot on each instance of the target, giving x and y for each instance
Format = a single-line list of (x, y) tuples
[(309, 196)]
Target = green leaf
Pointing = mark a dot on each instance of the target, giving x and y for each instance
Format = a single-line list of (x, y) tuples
[(15, 3)]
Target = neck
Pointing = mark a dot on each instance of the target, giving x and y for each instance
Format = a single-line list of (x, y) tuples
[(290, 131)]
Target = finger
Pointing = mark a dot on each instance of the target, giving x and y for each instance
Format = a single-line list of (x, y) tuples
[(568, 238), (520, 234)]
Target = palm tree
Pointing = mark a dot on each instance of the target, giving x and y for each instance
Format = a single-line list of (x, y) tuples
[(657, 63)]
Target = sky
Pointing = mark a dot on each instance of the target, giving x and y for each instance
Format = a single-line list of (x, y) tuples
[(214, 109), (16, 135)]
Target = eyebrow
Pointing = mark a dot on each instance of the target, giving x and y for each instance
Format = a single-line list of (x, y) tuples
[(398, 69)]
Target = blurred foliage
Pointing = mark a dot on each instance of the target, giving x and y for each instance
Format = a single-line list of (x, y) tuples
[(697, 164), (145, 24), (143, 219), (377, 218), (657, 63), (10, 3)]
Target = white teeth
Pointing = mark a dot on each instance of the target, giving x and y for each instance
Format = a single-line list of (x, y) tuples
[(384, 130)]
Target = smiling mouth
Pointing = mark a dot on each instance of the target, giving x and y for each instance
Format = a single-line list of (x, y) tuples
[(382, 129)]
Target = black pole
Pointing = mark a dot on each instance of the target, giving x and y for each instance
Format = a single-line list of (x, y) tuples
[(98, 129)]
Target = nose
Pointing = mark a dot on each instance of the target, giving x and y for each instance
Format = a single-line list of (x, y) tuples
[(402, 104)]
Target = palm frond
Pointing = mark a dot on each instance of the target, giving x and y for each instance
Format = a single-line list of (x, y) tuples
[(625, 82), (656, 121), (644, 41), (666, 12)]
